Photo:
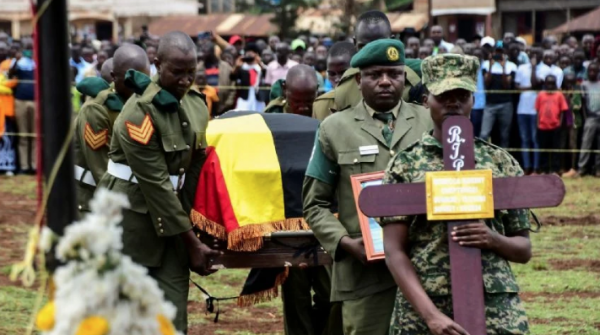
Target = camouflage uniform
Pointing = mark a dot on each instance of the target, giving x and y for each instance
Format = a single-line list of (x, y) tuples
[(428, 240)]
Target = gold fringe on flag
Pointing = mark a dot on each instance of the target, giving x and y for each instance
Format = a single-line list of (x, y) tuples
[(266, 295), (246, 238)]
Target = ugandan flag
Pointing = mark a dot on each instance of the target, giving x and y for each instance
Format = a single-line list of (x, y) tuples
[(251, 182)]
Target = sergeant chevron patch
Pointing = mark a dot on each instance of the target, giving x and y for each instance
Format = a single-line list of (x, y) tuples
[(95, 140), (141, 133)]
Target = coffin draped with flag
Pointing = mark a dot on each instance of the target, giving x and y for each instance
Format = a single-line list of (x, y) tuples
[(251, 182)]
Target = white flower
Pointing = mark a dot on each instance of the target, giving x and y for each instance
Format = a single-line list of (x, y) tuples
[(98, 280)]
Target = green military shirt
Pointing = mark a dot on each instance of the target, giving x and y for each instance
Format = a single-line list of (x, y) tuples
[(93, 131), (278, 105), (429, 239), (347, 93), (348, 143), (156, 153)]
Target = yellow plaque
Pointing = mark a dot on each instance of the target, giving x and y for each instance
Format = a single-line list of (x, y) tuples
[(459, 195)]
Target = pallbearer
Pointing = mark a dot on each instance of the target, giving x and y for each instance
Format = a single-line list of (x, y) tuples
[(95, 121), (156, 153), (417, 251)]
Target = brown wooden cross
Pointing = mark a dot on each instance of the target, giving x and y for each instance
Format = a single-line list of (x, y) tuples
[(465, 263)]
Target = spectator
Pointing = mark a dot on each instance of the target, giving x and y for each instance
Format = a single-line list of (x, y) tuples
[(526, 81), (572, 42), (94, 69), (267, 56), (273, 41), (201, 85), (8, 157), (413, 44), (246, 74), (338, 61), (508, 38), (429, 44), (78, 62), (437, 35), (218, 75), (279, 68), (547, 67), (564, 62), (298, 47), (476, 40), (151, 52), (310, 59), (591, 127), (564, 50), (577, 68), (523, 57), (321, 52), (587, 43), (87, 53), (23, 69), (498, 73), (479, 96), (424, 52), (571, 136), (549, 42), (461, 43), (469, 48), (513, 52), (237, 42), (409, 54), (550, 104)]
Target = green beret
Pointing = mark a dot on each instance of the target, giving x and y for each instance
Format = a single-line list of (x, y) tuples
[(387, 52), (448, 72)]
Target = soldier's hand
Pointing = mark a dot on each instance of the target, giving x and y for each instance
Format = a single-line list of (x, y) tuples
[(474, 235), (355, 247), (201, 256), (443, 325)]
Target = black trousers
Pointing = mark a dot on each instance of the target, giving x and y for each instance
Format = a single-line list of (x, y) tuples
[(549, 161)]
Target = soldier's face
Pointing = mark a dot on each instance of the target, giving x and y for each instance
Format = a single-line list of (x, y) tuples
[(382, 86), (450, 103), (300, 97), (177, 71)]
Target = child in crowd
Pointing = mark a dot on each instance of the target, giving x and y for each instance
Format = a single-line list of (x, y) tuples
[(550, 104), (591, 129), (571, 134), (211, 93)]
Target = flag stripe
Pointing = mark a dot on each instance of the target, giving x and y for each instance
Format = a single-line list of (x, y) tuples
[(293, 145), (252, 174)]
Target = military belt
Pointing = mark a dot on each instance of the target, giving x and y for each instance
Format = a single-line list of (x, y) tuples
[(124, 172), (83, 175)]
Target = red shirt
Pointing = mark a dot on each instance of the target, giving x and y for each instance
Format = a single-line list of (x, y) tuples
[(549, 105)]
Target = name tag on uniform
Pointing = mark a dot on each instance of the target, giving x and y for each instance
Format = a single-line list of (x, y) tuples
[(369, 150)]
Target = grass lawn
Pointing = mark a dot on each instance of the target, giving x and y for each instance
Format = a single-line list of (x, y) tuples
[(560, 286)]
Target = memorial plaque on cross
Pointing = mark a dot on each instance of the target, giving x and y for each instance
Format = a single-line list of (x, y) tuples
[(457, 197)]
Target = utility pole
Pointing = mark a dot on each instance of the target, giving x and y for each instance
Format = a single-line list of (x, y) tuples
[(55, 110)]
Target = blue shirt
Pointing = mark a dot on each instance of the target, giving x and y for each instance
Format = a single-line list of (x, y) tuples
[(25, 72), (480, 94), (81, 66)]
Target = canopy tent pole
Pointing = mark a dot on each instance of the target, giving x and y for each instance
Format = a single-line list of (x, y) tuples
[(55, 110)]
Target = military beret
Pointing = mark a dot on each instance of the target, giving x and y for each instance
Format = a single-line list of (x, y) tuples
[(448, 72), (386, 52)]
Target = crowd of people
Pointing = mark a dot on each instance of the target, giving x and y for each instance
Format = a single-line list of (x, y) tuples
[(239, 74)]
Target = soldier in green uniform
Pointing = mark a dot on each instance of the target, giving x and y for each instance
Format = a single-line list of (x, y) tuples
[(156, 153), (338, 61), (299, 91), (417, 250), (94, 124), (358, 140), (370, 26)]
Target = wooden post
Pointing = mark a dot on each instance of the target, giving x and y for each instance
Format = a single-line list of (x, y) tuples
[(54, 103)]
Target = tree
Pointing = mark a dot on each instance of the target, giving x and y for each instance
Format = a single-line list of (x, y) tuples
[(286, 12)]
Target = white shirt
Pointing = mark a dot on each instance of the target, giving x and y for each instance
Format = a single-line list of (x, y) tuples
[(443, 44), (275, 71), (497, 67), (544, 70), (527, 100)]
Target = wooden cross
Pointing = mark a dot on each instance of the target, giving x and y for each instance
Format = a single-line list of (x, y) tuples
[(465, 263)]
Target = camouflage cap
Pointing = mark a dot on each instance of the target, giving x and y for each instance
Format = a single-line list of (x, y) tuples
[(448, 72), (385, 52)]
